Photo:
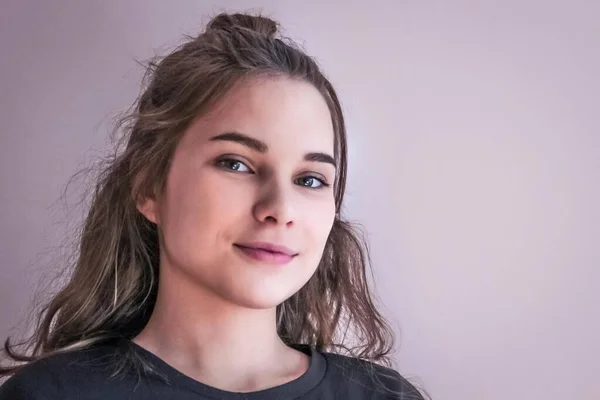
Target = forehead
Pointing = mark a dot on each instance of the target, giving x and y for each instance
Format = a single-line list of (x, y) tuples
[(282, 112)]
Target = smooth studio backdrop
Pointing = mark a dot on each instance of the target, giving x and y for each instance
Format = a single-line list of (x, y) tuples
[(474, 165)]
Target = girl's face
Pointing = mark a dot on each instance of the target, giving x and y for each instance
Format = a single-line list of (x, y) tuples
[(249, 199)]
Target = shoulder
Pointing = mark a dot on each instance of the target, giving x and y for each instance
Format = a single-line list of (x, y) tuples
[(58, 375), (374, 380)]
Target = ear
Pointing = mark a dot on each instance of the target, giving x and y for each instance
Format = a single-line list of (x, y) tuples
[(149, 209)]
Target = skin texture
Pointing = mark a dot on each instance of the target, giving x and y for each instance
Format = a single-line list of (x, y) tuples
[(214, 318)]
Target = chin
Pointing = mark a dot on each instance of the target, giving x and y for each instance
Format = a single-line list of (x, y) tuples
[(260, 298), (260, 302), (264, 287)]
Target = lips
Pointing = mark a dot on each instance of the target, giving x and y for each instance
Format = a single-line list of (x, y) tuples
[(266, 252)]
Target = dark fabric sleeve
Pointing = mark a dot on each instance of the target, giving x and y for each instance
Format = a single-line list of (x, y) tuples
[(396, 387), (29, 384), (15, 390)]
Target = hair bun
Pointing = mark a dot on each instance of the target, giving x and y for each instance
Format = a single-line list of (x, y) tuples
[(256, 23)]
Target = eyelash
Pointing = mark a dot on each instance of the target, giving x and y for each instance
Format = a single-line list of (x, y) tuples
[(223, 161)]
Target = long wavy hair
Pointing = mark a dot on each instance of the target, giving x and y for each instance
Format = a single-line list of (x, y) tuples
[(112, 281)]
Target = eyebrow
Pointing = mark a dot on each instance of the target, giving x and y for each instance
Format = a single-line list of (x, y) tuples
[(242, 139), (261, 147)]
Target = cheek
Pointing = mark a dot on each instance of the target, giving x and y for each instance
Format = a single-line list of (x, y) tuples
[(200, 212), (320, 224)]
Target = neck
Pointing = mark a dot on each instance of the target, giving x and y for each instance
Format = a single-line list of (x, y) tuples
[(215, 341)]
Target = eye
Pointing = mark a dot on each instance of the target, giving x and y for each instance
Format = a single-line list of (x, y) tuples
[(232, 164), (311, 182)]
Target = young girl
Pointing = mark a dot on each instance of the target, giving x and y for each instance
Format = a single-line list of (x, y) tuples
[(214, 262)]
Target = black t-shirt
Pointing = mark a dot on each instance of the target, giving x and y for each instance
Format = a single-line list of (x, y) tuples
[(90, 375)]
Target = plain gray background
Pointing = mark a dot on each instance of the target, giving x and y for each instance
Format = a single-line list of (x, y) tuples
[(475, 164)]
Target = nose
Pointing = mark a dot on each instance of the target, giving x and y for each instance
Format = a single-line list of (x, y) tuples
[(275, 205)]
